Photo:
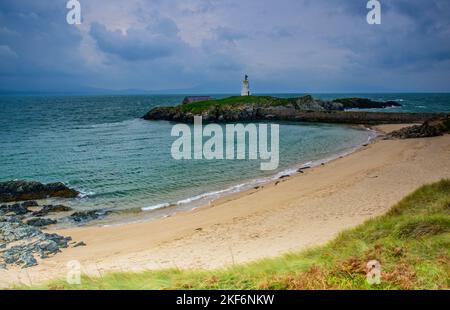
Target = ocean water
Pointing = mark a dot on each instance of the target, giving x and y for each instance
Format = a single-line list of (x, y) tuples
[(100, 146)]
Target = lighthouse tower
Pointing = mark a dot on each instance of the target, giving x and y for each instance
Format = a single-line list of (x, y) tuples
[(245, 87)]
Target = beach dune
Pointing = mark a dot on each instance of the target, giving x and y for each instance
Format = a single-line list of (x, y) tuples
[(295, 213)]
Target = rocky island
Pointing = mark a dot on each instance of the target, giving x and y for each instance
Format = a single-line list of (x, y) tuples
[(304, 109)]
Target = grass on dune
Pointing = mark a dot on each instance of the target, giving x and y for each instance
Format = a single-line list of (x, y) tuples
[(412, 242)]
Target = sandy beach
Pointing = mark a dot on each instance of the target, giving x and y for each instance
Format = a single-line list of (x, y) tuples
[(304, 210)]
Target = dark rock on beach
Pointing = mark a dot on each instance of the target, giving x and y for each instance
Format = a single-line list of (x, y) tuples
[(44, 245), (47, 209), (81, 243), (21, 239), (11, 232), (302, 169), (430, 128), (29, 190), (40, 222), (26, 242), (86, 216), (16, 209)]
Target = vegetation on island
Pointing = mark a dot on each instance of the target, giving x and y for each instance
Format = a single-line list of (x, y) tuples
[(236, 101), (411, 241), (303, 103)]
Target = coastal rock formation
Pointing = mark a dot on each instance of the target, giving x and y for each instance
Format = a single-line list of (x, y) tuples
[(20, 243), (308, 103), (251, 107), (430, 128), (302, 109), (28, 190), (47, 209), (22, 240), (16, 209), (223, 115), (34, 217), (40, 222), (363, 103), (87, 216), (28, 243)]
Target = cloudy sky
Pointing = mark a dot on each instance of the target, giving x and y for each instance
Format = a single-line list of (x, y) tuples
[(208, 45)]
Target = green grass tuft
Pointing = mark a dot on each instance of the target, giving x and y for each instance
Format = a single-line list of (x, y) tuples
[(423, 227), (412, 242)]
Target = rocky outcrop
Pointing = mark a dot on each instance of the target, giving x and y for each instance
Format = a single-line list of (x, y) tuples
[(48, 209), (302, 109), (362, 103), (21, 244), (20, 212), (430, 128), (15, 209), (40, 222), (22, 240), (308, 103), (283, 113), (87, 216), (34, 217), (29, 190)]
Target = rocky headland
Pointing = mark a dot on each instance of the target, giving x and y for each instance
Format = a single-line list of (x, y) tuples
[(302, 109)]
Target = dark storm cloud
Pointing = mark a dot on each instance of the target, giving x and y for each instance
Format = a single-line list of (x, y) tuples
[(40, 47), (139, 44), (207, 45)]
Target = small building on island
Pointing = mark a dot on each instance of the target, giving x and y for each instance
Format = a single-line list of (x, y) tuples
[(192, 99)]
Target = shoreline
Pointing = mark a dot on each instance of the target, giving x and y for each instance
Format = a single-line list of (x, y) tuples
[(144, 214), (303, 210)]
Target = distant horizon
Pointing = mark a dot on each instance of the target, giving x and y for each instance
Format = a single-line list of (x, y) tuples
[(179, 93)]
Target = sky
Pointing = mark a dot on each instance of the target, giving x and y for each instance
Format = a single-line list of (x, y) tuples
[(207, 46)]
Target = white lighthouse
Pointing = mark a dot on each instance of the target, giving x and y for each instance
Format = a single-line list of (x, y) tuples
[(245, 87)]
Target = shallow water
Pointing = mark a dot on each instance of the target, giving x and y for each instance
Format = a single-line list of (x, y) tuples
[(100, 146)]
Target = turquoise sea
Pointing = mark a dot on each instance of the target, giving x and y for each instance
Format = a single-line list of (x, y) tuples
[(100, 146)]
